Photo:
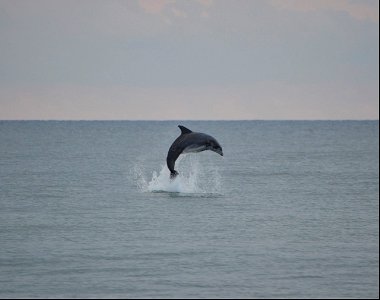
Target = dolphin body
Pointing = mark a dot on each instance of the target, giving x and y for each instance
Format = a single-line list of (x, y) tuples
[(190, 142)]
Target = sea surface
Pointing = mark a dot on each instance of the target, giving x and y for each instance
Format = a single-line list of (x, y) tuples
[(87, 210)]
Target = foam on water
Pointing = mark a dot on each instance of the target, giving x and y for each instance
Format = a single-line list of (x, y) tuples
[(193, 178)]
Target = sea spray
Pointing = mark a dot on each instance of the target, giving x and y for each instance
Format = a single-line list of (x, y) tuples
[(193, 178), (138, 178)]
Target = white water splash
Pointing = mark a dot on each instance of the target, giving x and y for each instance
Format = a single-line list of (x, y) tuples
[(192, 179)]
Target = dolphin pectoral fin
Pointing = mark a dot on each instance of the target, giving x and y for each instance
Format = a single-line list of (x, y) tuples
[(194, 149)]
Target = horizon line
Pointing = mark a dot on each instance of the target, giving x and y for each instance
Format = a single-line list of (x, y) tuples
[(172, 120)]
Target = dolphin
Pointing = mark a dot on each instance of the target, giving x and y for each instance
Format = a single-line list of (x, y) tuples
[(190, 142)]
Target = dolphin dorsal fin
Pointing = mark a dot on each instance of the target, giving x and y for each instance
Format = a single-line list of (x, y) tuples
[(184, 130)]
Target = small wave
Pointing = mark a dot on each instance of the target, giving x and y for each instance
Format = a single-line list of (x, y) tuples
[(192, 179)]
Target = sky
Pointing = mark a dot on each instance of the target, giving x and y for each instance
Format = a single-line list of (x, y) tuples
[(189, 60)]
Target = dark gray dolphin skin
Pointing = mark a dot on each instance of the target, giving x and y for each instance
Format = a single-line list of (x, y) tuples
[(190, 142)]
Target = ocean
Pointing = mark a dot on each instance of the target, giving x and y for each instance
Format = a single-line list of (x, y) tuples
[(87, 210)]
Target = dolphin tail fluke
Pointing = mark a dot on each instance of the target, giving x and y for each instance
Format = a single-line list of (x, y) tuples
[(173, 174)]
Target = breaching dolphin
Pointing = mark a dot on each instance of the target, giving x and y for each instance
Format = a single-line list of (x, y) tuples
[(190, 142)]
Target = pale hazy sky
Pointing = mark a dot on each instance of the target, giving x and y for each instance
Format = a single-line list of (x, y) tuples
[(201, 59)]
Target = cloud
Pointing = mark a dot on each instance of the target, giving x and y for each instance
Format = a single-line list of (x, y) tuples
[(178, 13), (206, 2), (175, 8), (154, 6), (356, 9)]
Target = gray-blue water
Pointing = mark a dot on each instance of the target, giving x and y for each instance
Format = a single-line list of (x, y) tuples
[(290, 211)]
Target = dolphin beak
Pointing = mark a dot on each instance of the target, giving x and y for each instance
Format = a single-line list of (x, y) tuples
[(219, 151)]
